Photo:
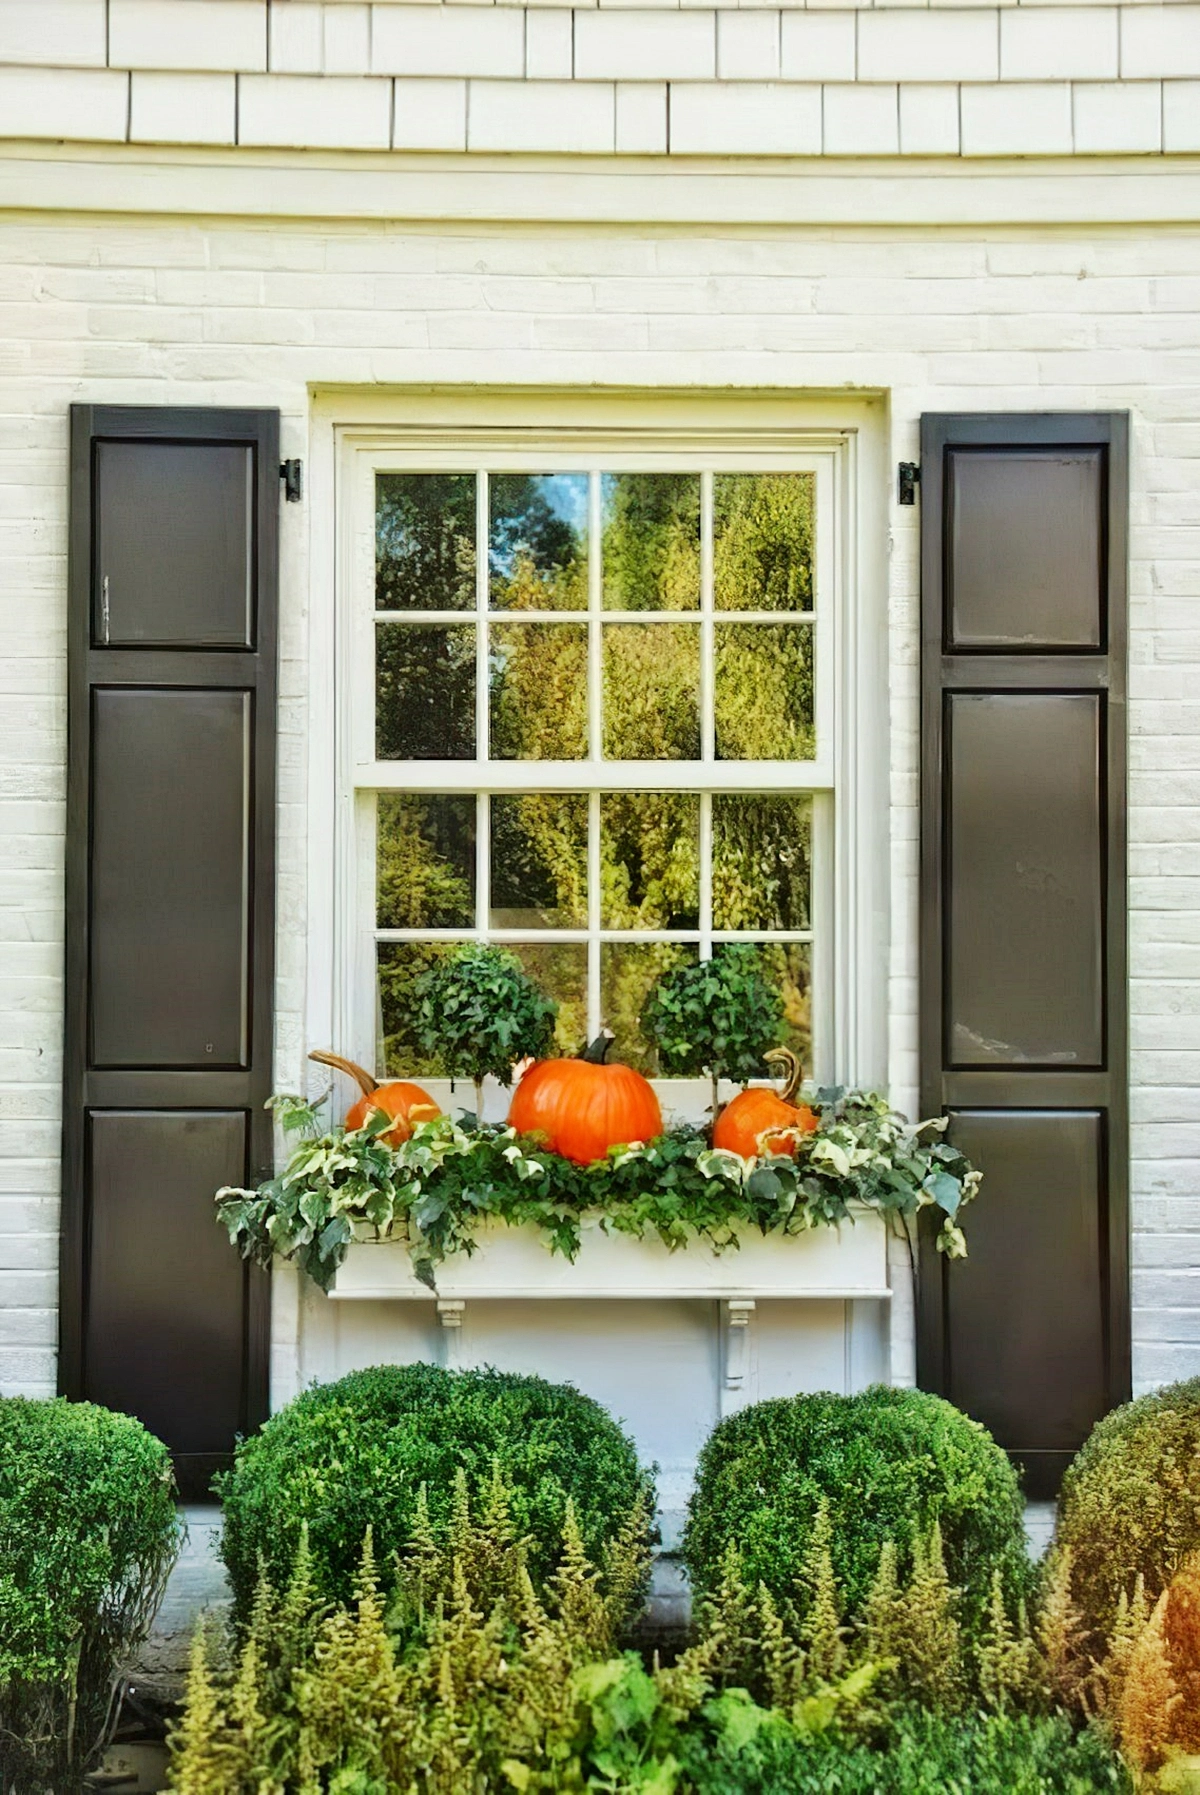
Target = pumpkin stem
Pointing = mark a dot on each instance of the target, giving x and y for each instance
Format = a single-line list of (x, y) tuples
[(359, 1074), (792, 1069), (597, 1053)]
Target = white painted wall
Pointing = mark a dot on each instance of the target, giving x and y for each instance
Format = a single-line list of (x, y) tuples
[(306, 281)]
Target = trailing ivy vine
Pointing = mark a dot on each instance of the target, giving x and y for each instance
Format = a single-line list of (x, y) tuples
[(437, 1189)]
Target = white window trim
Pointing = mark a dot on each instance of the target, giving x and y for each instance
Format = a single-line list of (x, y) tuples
[(499, 429)]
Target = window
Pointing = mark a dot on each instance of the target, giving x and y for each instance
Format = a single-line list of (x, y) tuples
[(592, 713)]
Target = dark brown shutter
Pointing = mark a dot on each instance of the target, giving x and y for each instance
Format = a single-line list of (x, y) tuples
[(170, 915), (1023, 894)]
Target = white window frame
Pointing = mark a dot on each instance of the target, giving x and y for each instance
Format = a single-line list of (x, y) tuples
[(851, 724)]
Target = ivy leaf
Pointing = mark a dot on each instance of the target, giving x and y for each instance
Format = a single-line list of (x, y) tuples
[(764, 1184), (429, 1209), (423, 1272), (336, 1233), (945, 1191)]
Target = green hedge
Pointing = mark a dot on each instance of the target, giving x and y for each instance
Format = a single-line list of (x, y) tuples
[(1130, 1502), (88, 1533), (925, 1755), (354, 1454), (888, 1462)]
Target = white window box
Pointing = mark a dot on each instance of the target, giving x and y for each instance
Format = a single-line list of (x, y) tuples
[(847, 1262)]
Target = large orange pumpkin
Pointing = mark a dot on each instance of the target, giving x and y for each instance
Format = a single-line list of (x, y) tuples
[(407, 1103), (584, 1106), (744, 1125)]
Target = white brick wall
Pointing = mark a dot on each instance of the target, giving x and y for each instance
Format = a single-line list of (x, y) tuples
[(162, 311)]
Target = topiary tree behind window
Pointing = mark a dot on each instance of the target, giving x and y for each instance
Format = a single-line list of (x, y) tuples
[(718, 1016), (479, 1012)]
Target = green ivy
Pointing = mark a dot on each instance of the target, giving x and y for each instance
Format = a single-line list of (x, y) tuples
[(718, 1016), (478, 1012), (436, 1189)]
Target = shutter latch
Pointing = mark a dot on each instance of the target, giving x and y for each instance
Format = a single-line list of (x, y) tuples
[(910, 479), (292, 475)]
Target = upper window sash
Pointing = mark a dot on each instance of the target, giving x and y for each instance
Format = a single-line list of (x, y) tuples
[(547, 453)]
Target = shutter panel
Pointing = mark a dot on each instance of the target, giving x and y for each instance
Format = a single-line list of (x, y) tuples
[(170, 916), (1023, 918)]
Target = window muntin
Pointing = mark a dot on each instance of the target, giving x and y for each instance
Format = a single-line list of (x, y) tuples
[(619, 755)]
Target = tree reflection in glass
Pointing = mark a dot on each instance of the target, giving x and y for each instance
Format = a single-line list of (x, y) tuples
[(538, 691), (649, 860), (651, 537), (763, 701), (424, 861), (539, 860), (763, 542), (651, 691), (537, 542), (424, 691), (424, 542), (762, 858)]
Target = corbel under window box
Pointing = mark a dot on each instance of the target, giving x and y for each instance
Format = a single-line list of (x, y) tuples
[(846, 1263)]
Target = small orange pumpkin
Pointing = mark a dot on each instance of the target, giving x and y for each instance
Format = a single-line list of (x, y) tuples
[(407, 1103), (584, 1106), (743, 1125)]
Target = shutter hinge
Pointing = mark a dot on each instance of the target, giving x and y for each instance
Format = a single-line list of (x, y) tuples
[(910, 479), (292, 475)]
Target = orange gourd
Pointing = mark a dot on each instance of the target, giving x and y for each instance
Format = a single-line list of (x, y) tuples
[(744, 1125), (584, 1106), (407, 1103)]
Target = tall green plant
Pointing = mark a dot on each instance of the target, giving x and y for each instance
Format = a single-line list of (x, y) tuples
[(479, 1012), (718, 1016)]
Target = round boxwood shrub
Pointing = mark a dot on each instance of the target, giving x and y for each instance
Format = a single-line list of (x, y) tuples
[(1130, 1501), (354, 1454), (888, 1462), (88, 1534)]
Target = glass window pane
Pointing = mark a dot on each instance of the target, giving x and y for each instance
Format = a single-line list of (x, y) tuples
[(424, 691), (762, 849), (425, 542), (649, 860), (398, 966), (537, 676), (788, 965), (652, 691), (651, 525), (539, 861), (628, 971), (763, 541), (764, 691), (424, 862), (537, 542), (560, 968)]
